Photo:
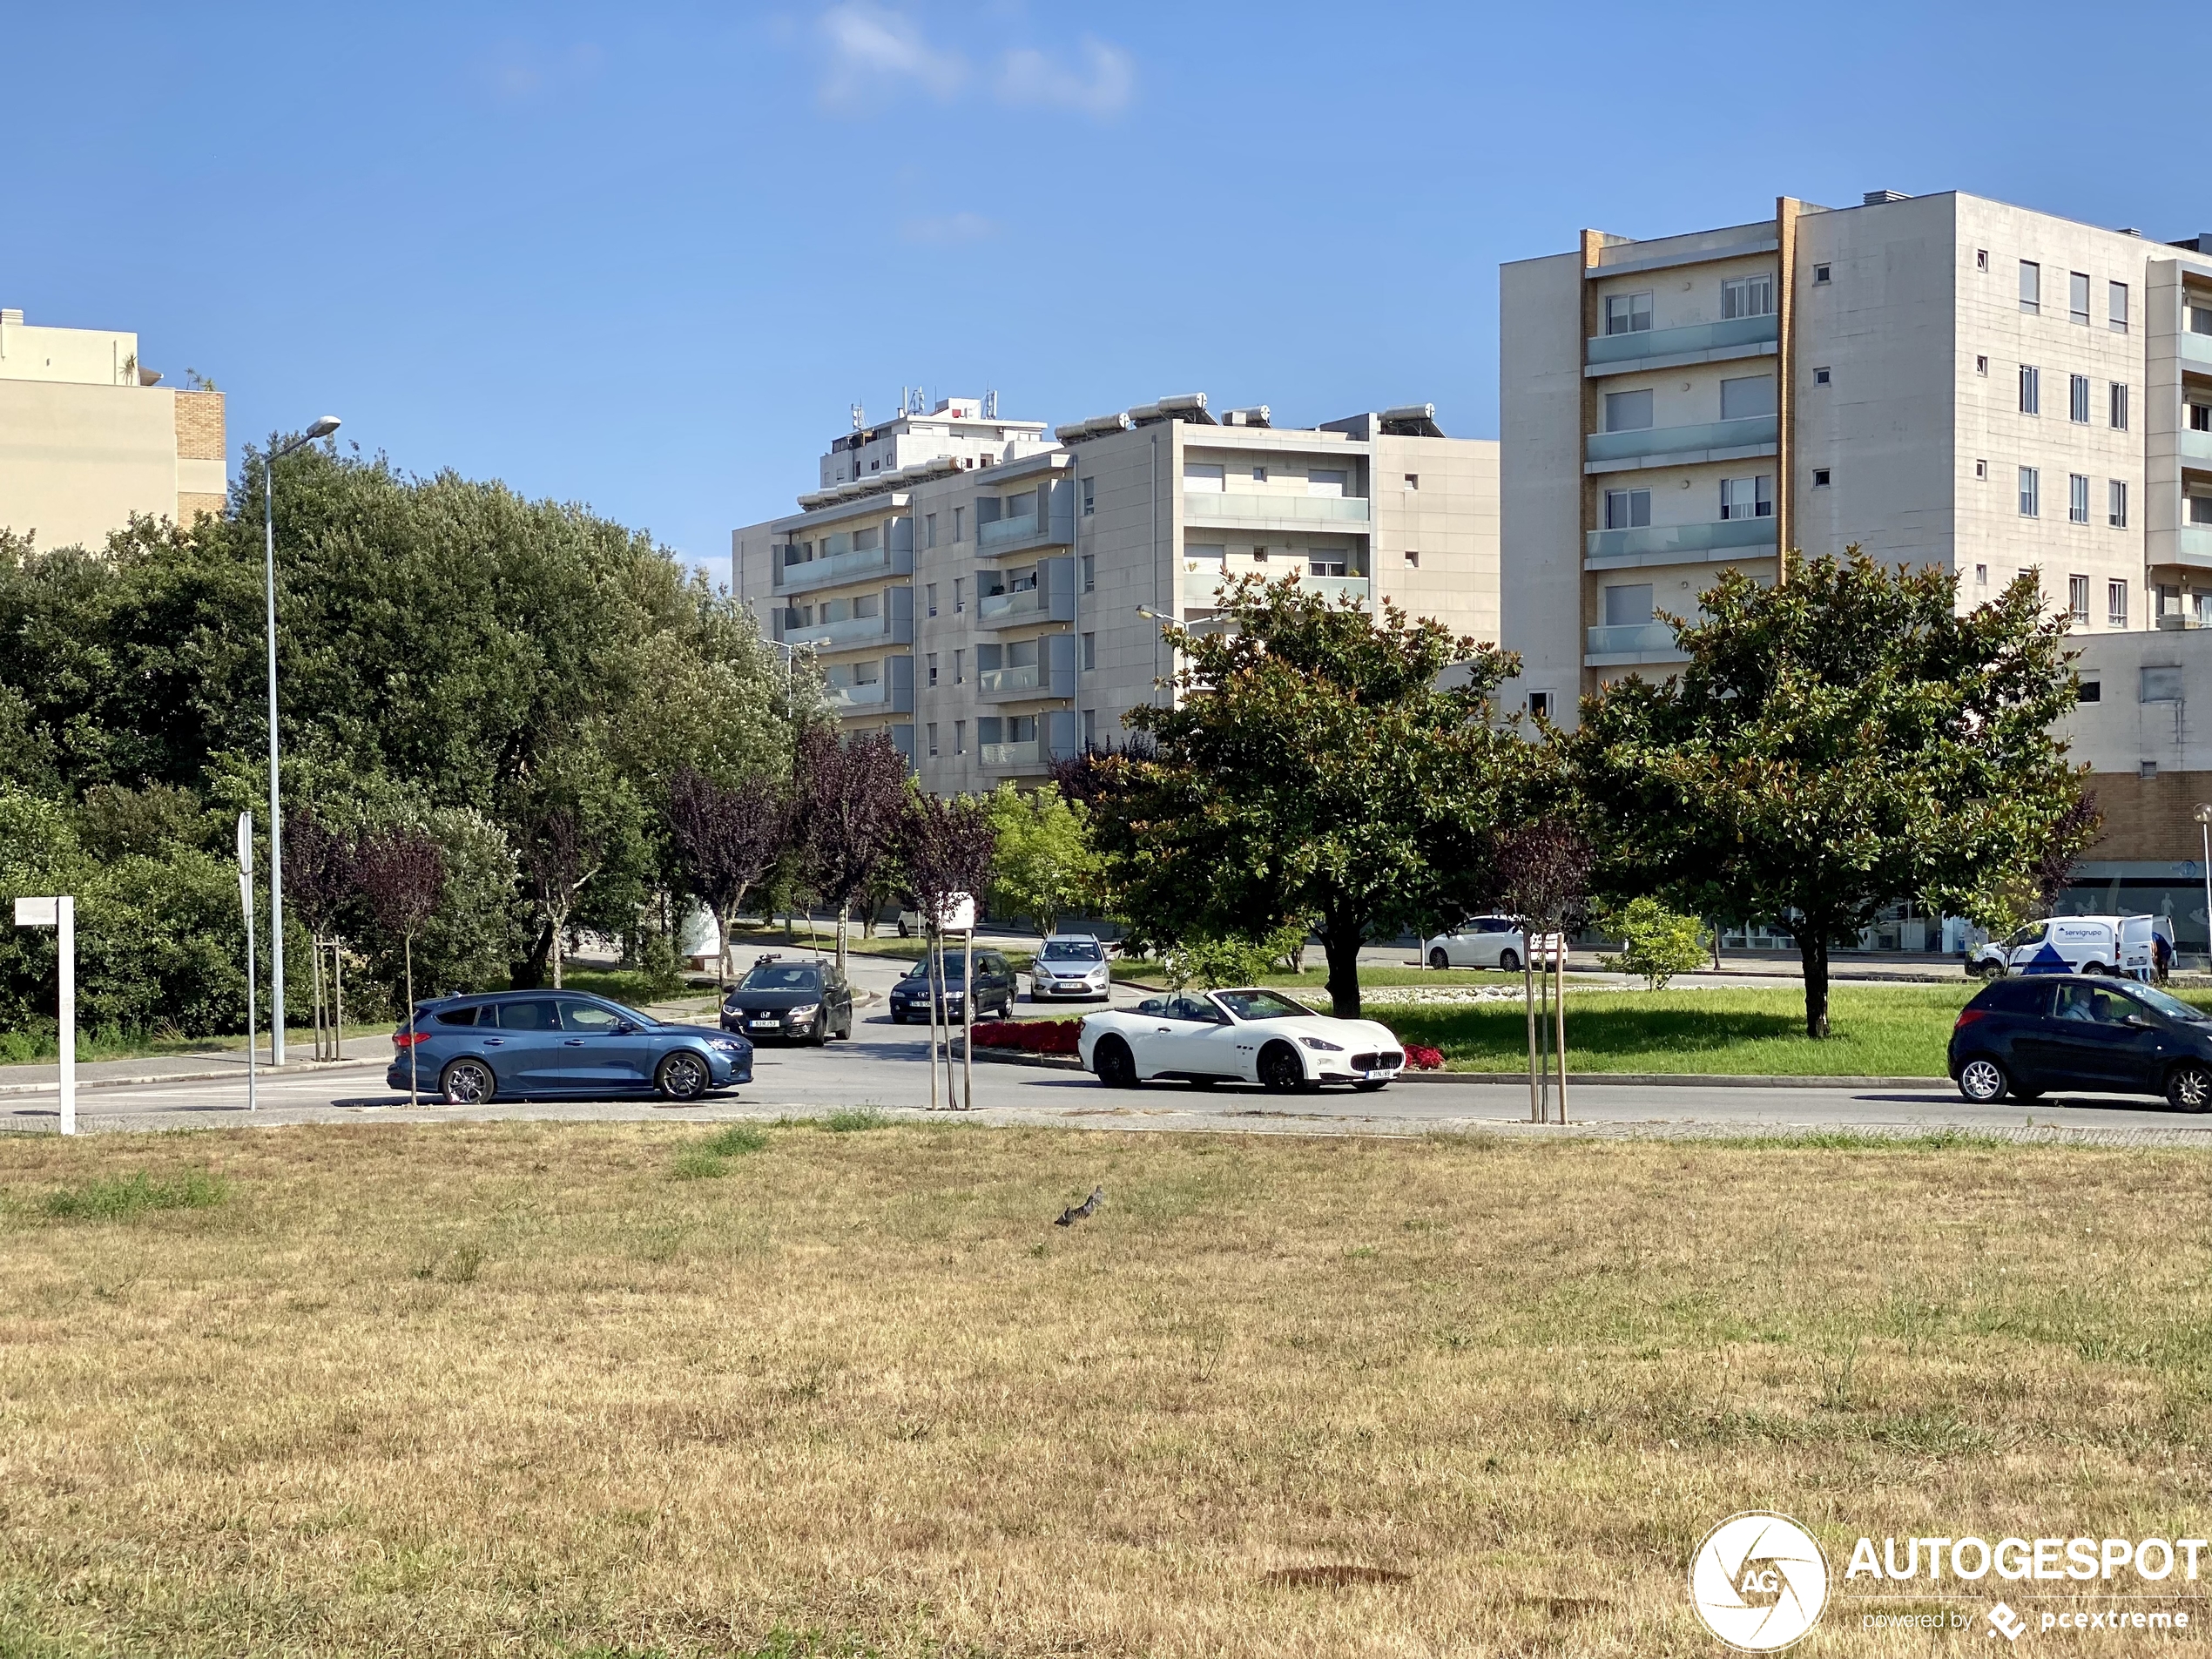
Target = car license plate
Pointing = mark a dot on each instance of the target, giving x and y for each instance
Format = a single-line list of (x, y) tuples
[(757, 1024), (1372, 1075)]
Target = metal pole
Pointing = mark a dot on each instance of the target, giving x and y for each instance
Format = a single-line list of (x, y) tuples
[(2205, 825), (967, 1021), (276, 815), (65, 919), (1528, 1004), (1559, 965), (246, 891)]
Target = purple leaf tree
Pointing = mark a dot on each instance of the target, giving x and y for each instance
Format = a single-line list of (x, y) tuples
[(850, 794), (728, 838), (947, 848), (318, 884), (401, 875)]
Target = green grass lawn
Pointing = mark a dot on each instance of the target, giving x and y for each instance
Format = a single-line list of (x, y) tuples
[(1315, 979)]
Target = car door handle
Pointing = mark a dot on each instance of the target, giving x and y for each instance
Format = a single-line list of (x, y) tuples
[(493, 1042), (573, 1042)]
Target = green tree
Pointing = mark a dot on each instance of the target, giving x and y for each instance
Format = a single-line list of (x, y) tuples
[(1837, 742), (1045, 865), (1656, 943), (1310, 767)]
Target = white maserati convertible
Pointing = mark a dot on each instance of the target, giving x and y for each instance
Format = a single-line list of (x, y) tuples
[(1246, 1036)]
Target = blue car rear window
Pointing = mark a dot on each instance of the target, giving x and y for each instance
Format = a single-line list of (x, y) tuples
[(528, 1016), (2015, 996), (459, 1017)]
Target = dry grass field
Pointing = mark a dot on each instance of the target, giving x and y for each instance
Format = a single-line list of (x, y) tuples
[(613, 1391)]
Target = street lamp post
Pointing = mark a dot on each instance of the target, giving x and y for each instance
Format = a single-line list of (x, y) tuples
[(322, 429), (2204, 824)]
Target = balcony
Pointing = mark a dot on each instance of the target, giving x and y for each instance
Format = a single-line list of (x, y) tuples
[(1644, 642), (1201, 589), (857, 631), (992, 681), (1024, 530), (2196, 352), (1012, 757), (2196, 449), (1003, 609), (843, 567), (2194, 546), (1052, 599), (1270, 510), (1701, 343), (874, 697), (1732, 538), (1756, 434)]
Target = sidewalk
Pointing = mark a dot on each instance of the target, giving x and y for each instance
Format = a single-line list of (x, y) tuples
[(173, 1067)]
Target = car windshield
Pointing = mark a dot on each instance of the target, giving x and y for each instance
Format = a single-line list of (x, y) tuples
[(2172, 1007), (954, 970), (782, 976), (1073, 950), (1260, 1005)]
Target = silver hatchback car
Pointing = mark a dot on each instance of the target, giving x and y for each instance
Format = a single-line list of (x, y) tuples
[(1071, 966)]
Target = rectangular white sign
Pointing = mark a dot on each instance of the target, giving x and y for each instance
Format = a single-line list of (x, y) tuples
[(39, 912)]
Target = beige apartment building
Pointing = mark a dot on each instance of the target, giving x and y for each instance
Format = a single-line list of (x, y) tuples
[(1943, 379), (88, 437), (994, 597)]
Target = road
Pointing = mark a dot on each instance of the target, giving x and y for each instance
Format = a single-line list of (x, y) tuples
[(884, 1067)]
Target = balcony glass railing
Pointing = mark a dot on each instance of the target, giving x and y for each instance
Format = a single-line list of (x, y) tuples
[(1659, 541), (1024, 678), (873, 695), (815, 573), (1003, 531), (2196, 449), (1671, 342), (2196, 544), (2197, 352), (1201, 589), (1747, 433), (1006, 755), (1648, 640), (996, 607), (1248, 507), (857, 629)]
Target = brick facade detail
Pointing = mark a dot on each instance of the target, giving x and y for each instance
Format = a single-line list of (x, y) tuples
[(191, 507), (199, 427), (2150, 820)]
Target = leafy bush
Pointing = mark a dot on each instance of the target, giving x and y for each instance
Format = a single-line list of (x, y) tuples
[(1216, 962), (1656, 943)]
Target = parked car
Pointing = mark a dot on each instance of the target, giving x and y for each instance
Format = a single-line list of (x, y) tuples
[(994, 989), (1489, 942), (2073, 945), (2024, 1035), (522, 1044), (799, 1002), (1072, 965), (1243, 1035)]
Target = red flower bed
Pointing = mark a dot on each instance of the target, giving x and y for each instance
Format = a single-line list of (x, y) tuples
[(1031, 1037), (1420, 1059)]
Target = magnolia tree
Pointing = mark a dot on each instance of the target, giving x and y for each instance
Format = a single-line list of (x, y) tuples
[(1836, 742), (727, 838)]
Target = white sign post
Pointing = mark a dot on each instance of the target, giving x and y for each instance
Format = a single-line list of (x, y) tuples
[(246, 900), (61, 914)]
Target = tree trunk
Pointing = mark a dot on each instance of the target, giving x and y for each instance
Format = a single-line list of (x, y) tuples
[(529, 974), (1340, 941), (338, 997), (413, 1049), (844, 923), (1812, 950), (560, 927), (967, 1024), (723, 922)]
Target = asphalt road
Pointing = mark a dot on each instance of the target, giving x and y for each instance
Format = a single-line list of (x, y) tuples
[(885, 1067)]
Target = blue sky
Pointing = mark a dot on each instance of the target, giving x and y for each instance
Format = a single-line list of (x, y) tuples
[(647, 256)]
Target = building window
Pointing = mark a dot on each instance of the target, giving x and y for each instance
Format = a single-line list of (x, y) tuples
[(933, 739), (1090, 573), (2116, 503), (2077, 399), (1090, 728), (2031, 390), (1747, 397), (1628, 605), (1981, 366), (960, 736), (2200, 417), (2200, 319), (2116, 603), (2093, 691), (1628, 411), (960, 667), (1259, 475), (2077, 498), (1628, 314), (1820, 478), (2116, 403), (960, 596), (2200, 510), (1747, 497), (933, 668), (1981, 469), (2077, 599), (1259, 555), (1982, 575), (1413, 480), (1820, 377), (2031, 491), (929, 597), (2077, 297), (1412, 559), (1626, 509), (1326, 560), (1981, 259), (2031, 287), (2116, 307), (1819, 273), (929, 529), (960, 516), (1540, 705), (1090, 652), (1091, 495), (1751, 296)]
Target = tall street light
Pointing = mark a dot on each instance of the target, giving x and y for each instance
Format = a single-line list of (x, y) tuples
[(322, 429), (2204, 820)]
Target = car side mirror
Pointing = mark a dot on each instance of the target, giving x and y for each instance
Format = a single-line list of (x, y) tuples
[(623, 1028), (2142, 1022)]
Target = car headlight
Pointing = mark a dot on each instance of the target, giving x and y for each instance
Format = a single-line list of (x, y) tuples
[(799, 1017), (725, 1046), (1324, 1047)]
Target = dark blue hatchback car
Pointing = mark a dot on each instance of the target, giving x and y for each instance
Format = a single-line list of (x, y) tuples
[(526, 1044), (2026, 1036)]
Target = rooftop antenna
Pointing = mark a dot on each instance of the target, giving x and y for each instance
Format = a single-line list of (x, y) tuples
[(990, 405), (859, 424)]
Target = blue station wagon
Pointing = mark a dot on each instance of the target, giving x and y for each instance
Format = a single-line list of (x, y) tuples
[(515, 1045)]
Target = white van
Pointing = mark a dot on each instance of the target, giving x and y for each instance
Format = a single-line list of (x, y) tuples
[(2071, 945)]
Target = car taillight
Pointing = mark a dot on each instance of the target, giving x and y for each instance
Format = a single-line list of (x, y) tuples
[(408, 1039), (1967, 1016)]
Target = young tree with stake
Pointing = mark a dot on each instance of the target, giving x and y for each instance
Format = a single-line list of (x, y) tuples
[(946, 846), (401, 875)]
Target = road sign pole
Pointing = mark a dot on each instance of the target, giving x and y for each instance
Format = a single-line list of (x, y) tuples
[(246, 902), (66, 923)]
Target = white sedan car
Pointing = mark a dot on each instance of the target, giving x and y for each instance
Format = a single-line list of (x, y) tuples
[(1488, 941), (1246, 1035)]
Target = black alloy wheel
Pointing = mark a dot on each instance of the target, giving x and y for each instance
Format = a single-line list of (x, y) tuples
[(1438, 959), (1115, 1067), (683, 1076), (1279, 1070), (1509, 962), (2188, 1087), (466, 1082)]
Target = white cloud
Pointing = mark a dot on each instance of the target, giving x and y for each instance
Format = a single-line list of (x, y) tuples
[(1101, 88), (871, 46), (949, 227)]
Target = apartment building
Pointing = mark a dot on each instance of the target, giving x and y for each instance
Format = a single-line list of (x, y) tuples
[(994, 597), (1942, 380), (88, 437)]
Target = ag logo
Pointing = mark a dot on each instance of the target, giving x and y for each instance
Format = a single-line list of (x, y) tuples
[(1758, 1581)]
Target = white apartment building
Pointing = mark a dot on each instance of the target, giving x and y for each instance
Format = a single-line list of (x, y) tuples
[(994, 597), (1943, 379), (87, 438)]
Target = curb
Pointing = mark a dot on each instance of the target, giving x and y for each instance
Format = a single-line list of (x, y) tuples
[(1683, 1079), (239, 1072)]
